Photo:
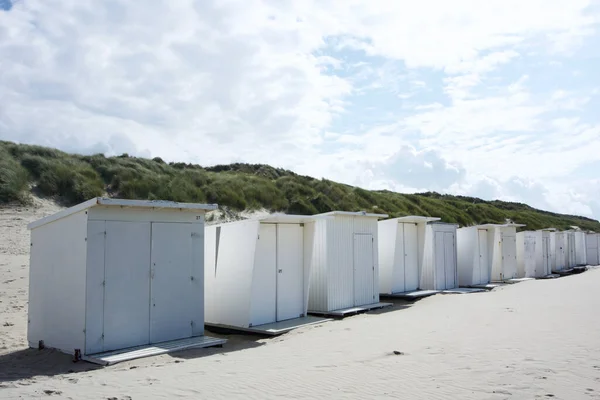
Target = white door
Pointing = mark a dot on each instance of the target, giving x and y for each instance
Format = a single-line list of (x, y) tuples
[(364, 270), (546, 257), (264, 307), (411, 256), (449, 260), (571, 250), (398, 271), (290, 271), (483, 272), (126, 285), (440, 265), (171, 295), (509, 257), (529, 257)]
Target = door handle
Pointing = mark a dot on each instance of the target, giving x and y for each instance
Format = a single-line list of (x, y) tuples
[(280, 271)]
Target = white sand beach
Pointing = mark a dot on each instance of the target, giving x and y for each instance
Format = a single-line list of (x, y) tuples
[(532, 340)]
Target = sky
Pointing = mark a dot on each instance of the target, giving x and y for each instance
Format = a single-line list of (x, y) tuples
[(494, 99)]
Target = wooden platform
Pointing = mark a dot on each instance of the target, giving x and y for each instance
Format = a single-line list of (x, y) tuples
[(551, 276), (517, 280), (462, 290), (486, 286), (132, 353), (412, 295), (273, 329), (345, 312)]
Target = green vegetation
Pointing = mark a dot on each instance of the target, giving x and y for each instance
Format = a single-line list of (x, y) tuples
[(74, 178)]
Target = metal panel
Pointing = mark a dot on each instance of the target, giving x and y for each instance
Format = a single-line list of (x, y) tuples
[(364, 270), (509, 254), (449, 260), (319, 276), (483, 275), (290, 271), (229, 283), (439, 255), (388, 252), (171, 294), (127, 285), (264, 305), (571, 258), (198, 298), (94, 322), (561, 251), (340, 263), (467, 251), (530, 245), (399, 266), (57, 282), (592, 245), (546, 268), (411, 253)]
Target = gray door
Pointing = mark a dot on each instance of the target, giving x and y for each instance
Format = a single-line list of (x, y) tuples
[(364, 270), (171, 295), (290, 271), (127, 285)]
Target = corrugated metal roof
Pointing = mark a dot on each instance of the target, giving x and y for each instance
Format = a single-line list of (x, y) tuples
[(102, 201), (355, 214), (417, 219)]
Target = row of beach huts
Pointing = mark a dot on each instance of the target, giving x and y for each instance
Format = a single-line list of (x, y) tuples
[(112, 279)]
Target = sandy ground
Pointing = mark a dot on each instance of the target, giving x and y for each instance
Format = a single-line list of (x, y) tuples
[(532, 340)]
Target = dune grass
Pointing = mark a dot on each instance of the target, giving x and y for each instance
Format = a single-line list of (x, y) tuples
[(73, 178)]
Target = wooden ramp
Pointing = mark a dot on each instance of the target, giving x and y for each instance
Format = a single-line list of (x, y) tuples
[(275, 328), (412, 295), (551, 276), (486, 286), (517, 280), (132, 353), (345, 312), (463, 290)]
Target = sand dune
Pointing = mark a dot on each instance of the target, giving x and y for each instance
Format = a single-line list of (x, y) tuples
[(536, 339)]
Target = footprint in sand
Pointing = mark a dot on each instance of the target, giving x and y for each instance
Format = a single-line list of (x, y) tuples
[(52, 392)]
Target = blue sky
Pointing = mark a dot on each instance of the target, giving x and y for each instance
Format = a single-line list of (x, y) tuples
[(495, 99)]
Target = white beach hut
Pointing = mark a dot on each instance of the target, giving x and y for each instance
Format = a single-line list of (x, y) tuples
[(257, 273), (592, 241), (580, 247), (416, 252), (534, 259), (498, 242), (113, 279), (344, 266), (560, 250), (474, 255)]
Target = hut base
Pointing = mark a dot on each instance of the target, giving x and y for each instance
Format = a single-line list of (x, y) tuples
[(272, 329), (345, 312), (132, 353)]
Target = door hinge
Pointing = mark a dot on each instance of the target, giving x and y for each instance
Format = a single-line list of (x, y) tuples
[(191, 278), (192, 323), (103, 283)]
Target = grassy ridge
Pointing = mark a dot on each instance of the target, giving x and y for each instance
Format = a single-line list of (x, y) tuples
[(74, 178)]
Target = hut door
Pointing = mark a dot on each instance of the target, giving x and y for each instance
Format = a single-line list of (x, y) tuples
[(399, 270), (482, 276), (411, 265), (126, 285), (171, 293), (364, 270), (290, 271), (509, 256), (449, 260), (545, 256), (264, 307)]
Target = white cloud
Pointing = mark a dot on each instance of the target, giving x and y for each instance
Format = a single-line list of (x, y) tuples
[(269, 81)]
